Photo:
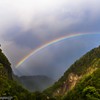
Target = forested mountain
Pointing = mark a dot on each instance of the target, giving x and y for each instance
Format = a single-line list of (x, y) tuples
[(7, 66), (88, 88), (80, 82), (9, 87), (35, 82), (84, 74)]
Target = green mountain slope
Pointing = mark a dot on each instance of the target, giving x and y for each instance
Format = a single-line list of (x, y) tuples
[(85, 66), (8, 87), (87, 89), (80, 82), (4, 61)]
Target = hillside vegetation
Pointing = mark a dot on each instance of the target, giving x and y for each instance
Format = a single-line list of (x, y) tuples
[(11, 88), (8, 87), (79, 72), (80, 82), (87, 89), (4, 61)]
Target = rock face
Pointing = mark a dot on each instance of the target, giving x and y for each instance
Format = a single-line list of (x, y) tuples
[(88, 88), (72, 79), (67, 84)]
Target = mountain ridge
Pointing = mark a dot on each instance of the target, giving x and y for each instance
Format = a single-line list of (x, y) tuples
[(35, 82), (80, 82), (9, 87), (86, 64)]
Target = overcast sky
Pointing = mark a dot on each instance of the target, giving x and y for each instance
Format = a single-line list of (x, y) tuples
[(28, 24)]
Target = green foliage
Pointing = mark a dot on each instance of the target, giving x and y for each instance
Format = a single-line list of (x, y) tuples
[(4, 61), (88, 88), (90, 93), (8, 87), (89, 60), (11, 88)]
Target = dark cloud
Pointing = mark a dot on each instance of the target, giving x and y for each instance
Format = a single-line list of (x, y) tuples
[(80, 17), (12, 32), (28, 40), (25, 27)]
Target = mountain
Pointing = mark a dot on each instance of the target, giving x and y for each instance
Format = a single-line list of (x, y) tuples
[(35, 83), (80, 82), (8, 87), (83, 75), (88, 88), (7, 66)]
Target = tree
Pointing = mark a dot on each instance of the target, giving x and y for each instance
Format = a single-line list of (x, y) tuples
[(90, 93)]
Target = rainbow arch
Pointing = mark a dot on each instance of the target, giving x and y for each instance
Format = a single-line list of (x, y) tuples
[(48, 44)]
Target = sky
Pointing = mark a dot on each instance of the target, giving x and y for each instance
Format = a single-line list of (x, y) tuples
[(28, 24)]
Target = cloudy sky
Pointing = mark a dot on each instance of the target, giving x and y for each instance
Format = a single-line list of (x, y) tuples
[(27, 24)]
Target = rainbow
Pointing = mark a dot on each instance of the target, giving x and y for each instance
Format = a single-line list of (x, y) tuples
[(46, 45)]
